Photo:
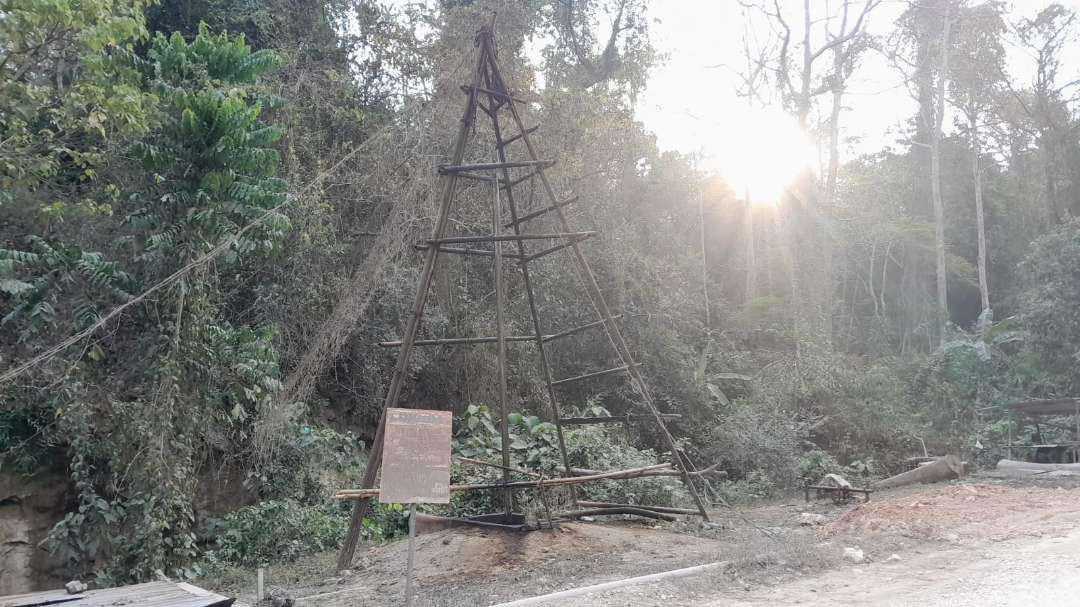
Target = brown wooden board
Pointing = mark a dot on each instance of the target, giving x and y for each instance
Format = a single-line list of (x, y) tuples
[(161, 594), (416, 457)]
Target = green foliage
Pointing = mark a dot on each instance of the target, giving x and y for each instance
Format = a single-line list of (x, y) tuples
[(52, 275), (815, 464), (1052, 288), (210, 164), (276, 531), (64, 87), (534, 446)]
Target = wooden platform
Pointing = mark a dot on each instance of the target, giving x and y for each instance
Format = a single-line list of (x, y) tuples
[(159, 594)]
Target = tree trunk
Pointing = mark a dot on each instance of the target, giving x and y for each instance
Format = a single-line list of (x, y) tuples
[(980, 219), (751, 261), (935, 183)]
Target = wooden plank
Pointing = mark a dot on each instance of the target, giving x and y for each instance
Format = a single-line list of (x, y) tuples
[(159, 594)]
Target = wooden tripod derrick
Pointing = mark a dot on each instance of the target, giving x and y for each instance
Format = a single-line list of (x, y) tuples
[(489, 93)]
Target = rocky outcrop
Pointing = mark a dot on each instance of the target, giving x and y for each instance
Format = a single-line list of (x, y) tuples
[(29, 507)]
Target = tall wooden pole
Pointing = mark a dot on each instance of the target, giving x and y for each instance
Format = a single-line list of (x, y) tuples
[(431, 255), (500, 341)]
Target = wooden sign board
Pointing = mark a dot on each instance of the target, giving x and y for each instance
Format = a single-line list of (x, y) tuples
[(416, 457)]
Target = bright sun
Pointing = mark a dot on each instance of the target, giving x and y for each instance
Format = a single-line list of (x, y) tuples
[(761, 153)]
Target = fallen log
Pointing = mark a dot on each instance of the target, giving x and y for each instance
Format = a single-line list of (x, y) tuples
[(1008, 467), (353, 494), (943, 469)]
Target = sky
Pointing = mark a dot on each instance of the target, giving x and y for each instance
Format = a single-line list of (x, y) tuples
[(692, 106)]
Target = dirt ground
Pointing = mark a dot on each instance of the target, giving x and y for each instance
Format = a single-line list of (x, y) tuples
[(768, 548)]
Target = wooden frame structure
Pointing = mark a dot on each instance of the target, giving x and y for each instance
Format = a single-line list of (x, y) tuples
[(488, 93)]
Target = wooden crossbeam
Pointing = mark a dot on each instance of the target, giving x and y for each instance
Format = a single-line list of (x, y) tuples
[(542, 211), (447, 169), (505, 237), (576, 330), (614, 419), (466, 251), (509, 184), (558, 247), (500, 94), (570, 380), (457, 341), (506, 142)]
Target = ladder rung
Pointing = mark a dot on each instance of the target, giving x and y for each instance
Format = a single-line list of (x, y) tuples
[(506, 185), (454, 341), (486, 178), (549, 251), (542, 211), (466, 251), (593, 374), (506, 237), (528, 131), (614, 419), (579, 329), (445, 169)]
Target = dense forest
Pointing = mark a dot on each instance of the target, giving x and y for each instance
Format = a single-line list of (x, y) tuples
[(208, 212)]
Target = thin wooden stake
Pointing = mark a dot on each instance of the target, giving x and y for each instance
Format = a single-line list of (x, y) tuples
[(412, 555)]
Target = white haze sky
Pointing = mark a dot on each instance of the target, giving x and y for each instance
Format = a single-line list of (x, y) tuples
[(692, 106)]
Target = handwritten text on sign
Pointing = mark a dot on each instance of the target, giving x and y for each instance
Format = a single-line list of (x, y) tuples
[(416, 457)]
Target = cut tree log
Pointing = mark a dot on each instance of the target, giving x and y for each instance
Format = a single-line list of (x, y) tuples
[(945, 468), (1008, 467)]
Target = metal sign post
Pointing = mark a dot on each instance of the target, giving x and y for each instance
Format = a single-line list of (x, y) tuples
[(415, 467)]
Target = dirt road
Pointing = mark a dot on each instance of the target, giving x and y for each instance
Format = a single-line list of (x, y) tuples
[(1021, 572), (1042, 571)]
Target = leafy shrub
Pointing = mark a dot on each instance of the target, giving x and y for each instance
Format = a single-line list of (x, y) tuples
[(284, 530), (815, 465), (534, 446)]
